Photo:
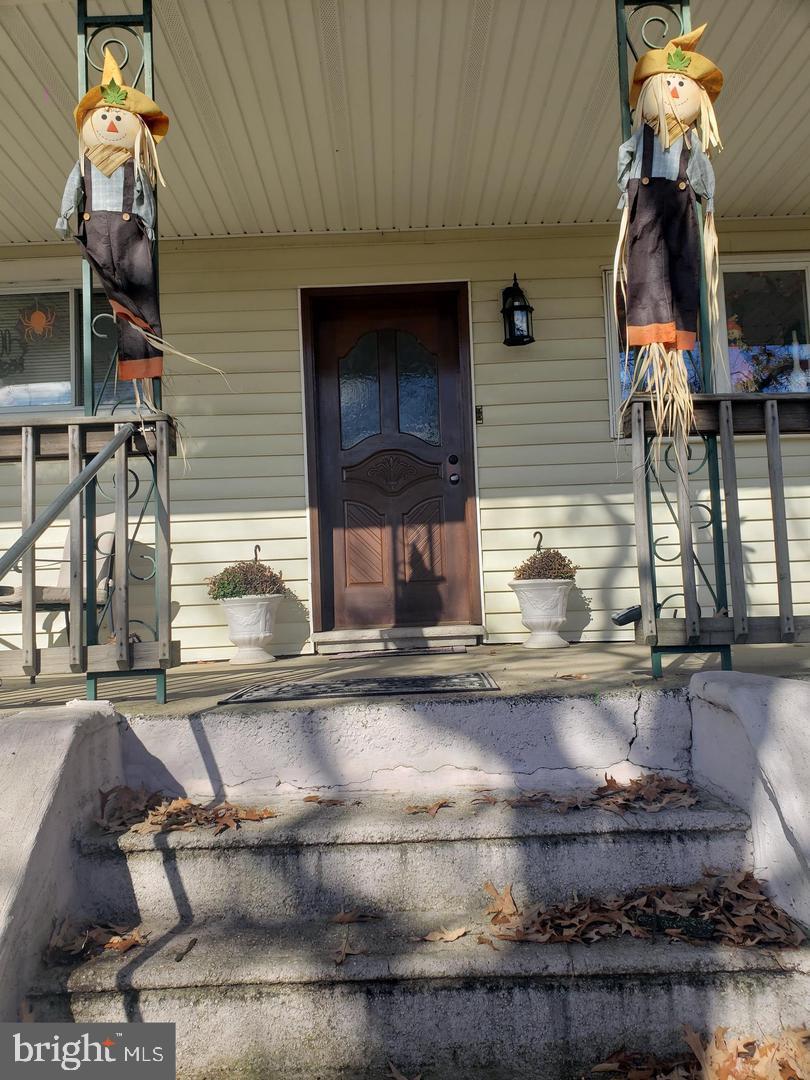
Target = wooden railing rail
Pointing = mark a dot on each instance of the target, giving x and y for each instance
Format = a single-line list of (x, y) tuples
[(87, 444)]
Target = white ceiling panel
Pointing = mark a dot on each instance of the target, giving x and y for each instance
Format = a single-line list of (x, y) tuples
[(348, 115)]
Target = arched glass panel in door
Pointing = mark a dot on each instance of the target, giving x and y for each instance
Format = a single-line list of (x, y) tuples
[(359, 391), (418, 389)]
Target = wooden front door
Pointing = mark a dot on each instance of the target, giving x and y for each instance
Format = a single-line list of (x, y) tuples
[(393, 476)]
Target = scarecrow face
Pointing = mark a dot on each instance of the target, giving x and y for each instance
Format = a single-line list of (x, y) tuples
[(681, 97), (109, 126)]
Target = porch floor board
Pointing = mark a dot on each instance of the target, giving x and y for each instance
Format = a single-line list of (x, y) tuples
[(607, 667)]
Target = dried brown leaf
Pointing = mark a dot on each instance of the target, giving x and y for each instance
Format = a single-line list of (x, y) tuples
[(122, 943), (484, 939), (181, 954), (343, 918), (485, 797), (254, 814), (445, 935), (67, 941), (122, 806), (432, 810), (502, 906), (347, 950)]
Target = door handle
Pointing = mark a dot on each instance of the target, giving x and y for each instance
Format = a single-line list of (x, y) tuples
[(454, 478)]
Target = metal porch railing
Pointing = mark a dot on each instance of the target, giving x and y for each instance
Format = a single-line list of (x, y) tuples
[(724, 418), (88, 444)]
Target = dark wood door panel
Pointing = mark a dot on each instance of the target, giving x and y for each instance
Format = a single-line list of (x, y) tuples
[(394, 473)]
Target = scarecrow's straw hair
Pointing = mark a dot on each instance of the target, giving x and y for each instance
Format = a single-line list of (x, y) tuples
[(146, 153), (711, 262), (655, 100)]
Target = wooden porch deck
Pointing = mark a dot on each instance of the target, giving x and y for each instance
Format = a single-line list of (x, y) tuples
[(606, 667)]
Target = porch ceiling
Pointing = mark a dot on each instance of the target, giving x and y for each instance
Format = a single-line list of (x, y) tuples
[(345, 115)]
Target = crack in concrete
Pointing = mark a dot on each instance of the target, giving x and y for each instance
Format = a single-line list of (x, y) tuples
[(358, 783), (481, 771), (636, 711), (690, 771)]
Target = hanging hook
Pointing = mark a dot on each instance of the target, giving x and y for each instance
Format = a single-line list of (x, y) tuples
[(540, 541), (256, 551)]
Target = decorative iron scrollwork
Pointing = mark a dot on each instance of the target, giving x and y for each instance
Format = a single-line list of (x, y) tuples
[(109, 42), (657, 542), (665, 16)]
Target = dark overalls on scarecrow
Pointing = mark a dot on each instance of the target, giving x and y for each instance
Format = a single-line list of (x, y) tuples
[(663, 241)]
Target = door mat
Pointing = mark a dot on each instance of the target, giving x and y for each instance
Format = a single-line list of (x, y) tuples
[(417, 684)]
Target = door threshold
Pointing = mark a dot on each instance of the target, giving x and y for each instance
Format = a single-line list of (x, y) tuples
[(390, 639), (348, 653)]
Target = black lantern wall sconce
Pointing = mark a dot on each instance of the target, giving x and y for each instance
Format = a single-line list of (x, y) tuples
[(517, 315)]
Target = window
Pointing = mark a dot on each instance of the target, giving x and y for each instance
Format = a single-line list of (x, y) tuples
[(767, 324), (36, 349), (40, 350), (764, 307)]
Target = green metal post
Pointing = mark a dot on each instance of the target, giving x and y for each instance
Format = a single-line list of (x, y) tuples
[(149, 73), (90, 583), (160, 686), (655, 654), (707, 360), (87, 28), (87, 274), (624, 79)]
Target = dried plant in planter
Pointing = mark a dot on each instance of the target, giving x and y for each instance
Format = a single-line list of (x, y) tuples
[(247, 578), (549, 564)]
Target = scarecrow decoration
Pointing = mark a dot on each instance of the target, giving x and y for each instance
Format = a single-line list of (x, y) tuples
[(113, 183), (663, 169), (112, 188)]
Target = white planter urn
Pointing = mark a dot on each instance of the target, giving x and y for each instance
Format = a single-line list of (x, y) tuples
[(251, 622), (543, 605)]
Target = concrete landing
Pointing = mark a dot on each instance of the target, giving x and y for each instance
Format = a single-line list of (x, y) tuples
[(607, 667)]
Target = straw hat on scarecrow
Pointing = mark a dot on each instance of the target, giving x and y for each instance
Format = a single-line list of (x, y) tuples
[(678, 55)]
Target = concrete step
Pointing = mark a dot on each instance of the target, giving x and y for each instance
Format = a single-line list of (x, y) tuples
[(368, 853), (249, 752), (271, 1003)]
